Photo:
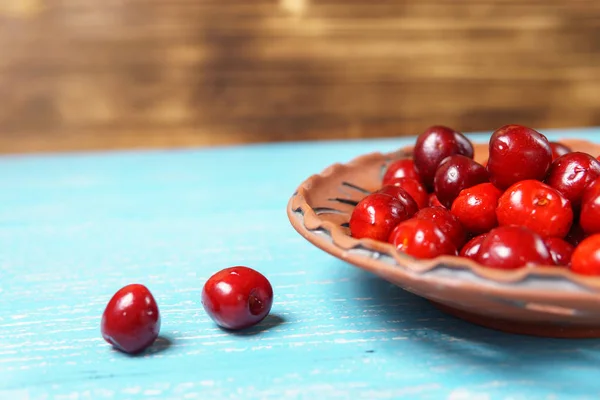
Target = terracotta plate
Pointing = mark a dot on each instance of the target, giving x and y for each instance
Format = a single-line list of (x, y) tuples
[(541, 300)]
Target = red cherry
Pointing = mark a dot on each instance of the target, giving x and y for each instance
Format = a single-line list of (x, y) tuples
[(475, 207), (586, 257), (414, 189), (559, 149), (237, 297), (446, 222), (471, 249), (570, 174), (590, 208), (403, 195), (403, 168), (560, 250), (376, 215), (421, 239), (435, 144), (131, 320), (517, 153), (434, 202), (536, 206), (511, 247), (454, 174)]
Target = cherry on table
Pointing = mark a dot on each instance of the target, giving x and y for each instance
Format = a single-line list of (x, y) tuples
[(517, 153), (572, 173), (560, 250), (475, 208), (586, 256), (421, 238), (536, 206), (446, 222), (414, 188), (511, 247), (454, 174), (590, 208), (471, 249), (131, 319), (237, 297), (402, 168), (376, 215)]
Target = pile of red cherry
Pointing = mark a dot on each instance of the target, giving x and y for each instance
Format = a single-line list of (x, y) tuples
[(235, 298), (533, 202)]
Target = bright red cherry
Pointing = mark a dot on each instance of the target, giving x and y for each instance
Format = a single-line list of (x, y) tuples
[(403, 195), (446, 222), (560, 250), (414, 189), (435, 144), (131, 320), (586, 257), (475, 208), (570, 174), (403, 168), (511, 247), (590, 208), (536, 206), (454, 174), (471, 249), (376, 215), (421, 238), (237, 297), (559, 149), (517, 153)]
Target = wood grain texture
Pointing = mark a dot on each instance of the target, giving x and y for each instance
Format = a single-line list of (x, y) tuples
[(143, 73), (76, 228)]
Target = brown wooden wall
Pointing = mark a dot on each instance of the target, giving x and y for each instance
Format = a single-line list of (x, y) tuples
[(83, 74)]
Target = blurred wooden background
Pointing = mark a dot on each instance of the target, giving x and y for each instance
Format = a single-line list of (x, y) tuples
[(82, 74)]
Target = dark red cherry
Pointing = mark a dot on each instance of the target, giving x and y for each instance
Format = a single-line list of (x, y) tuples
[(517, 153), (510, 247), (421, 238), (446, 222), (376, 215), (434, 202), (576, 234), (454, 174), (414, 189), (560, 250), (435, 144), (559, 149), (570, 174), (403, 168), (403, 195), (586, 256), (590, 208), (131, 320), (237, 297), (471, 249)]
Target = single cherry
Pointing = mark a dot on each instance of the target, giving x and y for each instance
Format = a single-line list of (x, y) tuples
[(446, 222), (131, 320), (586, 256), (560, 250), (517, 153), (536, 206), (414, 189), (511, 247), (403, 196), (590, 208), (471, 249), (559, 149), (435, 144), (237, 297), (454, 174), (570, 174), (421, 238), (376, 215), (403, 168), (475, 207)]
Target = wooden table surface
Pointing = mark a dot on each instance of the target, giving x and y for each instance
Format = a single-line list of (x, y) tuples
[(78, 74), (75, 228)]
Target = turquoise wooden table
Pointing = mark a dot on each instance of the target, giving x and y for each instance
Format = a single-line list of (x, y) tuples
[(75, 228)]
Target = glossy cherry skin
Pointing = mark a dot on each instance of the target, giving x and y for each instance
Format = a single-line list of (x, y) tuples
[(511, 247), (536, 206), (475, 208), (403, 196), (572, 173), (560, 250), (131, 319), (590, 208), (517, 153), (454, 174), (414, 189), (446, 222), (471, 249), (237, 297), (433, 146), (559, 149), (403, 168), (421, 238), (376, 215), (586, 257)]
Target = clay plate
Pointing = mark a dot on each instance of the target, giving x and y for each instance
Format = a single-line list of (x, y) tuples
[(541, 300)]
